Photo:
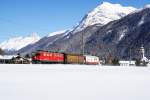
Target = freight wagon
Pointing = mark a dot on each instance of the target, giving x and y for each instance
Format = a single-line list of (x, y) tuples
[(92, 60), (74, 59)]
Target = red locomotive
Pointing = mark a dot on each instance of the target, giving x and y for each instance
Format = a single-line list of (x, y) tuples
[(47, 57)]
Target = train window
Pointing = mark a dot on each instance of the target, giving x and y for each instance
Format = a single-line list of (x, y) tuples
[(56, 55), (33, 54), (50, 54), (44, 54), (37, 54)]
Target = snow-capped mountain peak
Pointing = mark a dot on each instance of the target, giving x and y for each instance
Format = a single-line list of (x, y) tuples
[(103, 14), (17, 43)]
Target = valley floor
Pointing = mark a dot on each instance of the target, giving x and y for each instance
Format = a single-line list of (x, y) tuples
[(74, 82)]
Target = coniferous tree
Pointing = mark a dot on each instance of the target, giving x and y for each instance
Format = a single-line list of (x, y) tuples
[(2, 52), (115, 61), (137, 61), (27, 56)]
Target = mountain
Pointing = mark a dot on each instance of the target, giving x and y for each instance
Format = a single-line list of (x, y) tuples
[(122, 38), (17, 43), (103, 14), (100, 16), (44, 42)]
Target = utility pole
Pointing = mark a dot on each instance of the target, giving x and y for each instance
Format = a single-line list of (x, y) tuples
[(130, 55), (82, 44)]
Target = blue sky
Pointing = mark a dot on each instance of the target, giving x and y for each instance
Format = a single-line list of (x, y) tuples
[(23, 17)]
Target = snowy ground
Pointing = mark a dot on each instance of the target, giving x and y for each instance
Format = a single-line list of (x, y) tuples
[(74, 82)]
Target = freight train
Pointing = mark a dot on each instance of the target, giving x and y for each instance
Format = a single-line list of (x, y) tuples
[(47, 57)]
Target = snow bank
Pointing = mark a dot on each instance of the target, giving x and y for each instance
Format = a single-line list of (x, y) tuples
[(73, 82)]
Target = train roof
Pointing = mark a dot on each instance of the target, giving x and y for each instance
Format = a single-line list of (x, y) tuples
[(47, 51), (56, 52)]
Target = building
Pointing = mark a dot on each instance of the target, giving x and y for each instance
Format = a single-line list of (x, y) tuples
[(6, 59), (143, 59), (127, 63), (14, 59)]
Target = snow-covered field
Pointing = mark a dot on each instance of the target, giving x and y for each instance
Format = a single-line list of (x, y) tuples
[(74, 82)]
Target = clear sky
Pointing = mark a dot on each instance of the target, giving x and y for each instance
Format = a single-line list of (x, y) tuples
[(23, 17)]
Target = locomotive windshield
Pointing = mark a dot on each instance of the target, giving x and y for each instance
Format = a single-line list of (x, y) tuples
[(35, 54)]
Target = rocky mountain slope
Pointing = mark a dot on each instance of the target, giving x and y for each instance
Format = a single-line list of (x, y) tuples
[(122, 38)]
